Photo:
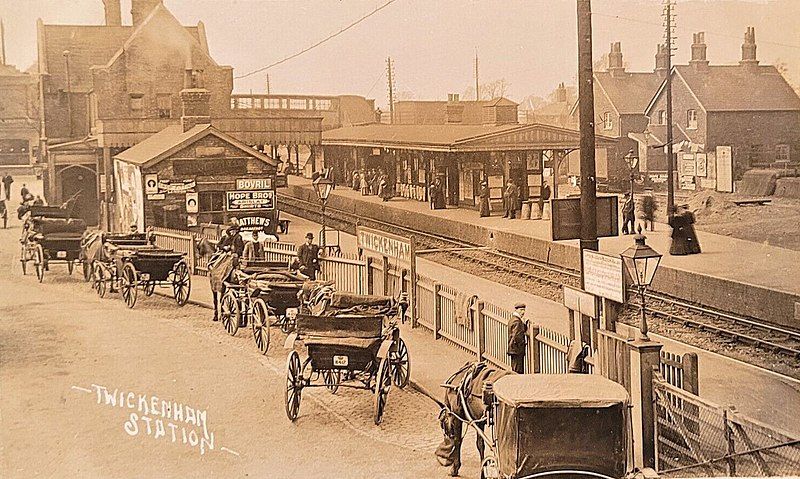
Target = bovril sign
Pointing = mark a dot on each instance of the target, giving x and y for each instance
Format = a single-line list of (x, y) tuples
[(254, 184)]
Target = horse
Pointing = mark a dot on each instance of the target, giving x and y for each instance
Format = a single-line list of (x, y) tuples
[(463, 402), (220, 267)]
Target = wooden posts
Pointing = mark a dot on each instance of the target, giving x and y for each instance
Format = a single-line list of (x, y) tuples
[(534, 350), (370, 277), (645, 358), (481, 340), (437, 310), (412, 293), (385, 275)]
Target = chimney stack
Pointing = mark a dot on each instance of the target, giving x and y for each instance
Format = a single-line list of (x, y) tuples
[(615, 66), (113, 11), (195, 100), (561, 93), (749, 50), (662, 58), (140, 9), (698, 60)]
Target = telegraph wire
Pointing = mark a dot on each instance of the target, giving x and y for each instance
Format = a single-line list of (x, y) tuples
[(311, 47)]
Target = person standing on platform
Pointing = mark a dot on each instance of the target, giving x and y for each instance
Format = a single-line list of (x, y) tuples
[(7, 181), (383, 188), (518, 338), (440, 203), (544, 198), (432, 193), (684, 238), (356, 181), (308, 256), (628, 216), (511, 197), (4, 213), (484, 195)]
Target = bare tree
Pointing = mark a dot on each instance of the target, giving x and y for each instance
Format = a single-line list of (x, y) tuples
[(488, 90)]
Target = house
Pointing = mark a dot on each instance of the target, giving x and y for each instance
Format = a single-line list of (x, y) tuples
[(620, 100), (726, 119), (19, 116), (454, 111)]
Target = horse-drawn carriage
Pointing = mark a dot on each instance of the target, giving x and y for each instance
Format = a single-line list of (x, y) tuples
[(353, 342), (260, 294), (542, 425), (49, 235), (129, 262)]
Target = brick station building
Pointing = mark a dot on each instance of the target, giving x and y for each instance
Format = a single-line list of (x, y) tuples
[(104, 88)]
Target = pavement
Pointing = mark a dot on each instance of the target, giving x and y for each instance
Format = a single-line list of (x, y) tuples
[(724, 257)]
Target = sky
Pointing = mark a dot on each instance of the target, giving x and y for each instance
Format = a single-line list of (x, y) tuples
[(529, 43)]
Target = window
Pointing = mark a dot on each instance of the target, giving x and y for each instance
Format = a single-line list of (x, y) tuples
[(272, 103), (782, 153), (164, 106), (211, 201), (137, 102), (608, 121), (297, 104), (691, 119), (323, 104), (661, 118)]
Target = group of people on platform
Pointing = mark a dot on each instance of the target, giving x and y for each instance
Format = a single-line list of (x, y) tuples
[(372, 182), (684, 238)]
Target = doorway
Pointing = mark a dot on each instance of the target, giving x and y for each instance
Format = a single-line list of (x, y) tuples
[(80, 182)]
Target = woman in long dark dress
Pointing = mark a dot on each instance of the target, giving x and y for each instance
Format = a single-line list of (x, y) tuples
[(439, 199), (684, 238), (484, 195)]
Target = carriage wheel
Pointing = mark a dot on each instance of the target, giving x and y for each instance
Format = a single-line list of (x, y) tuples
[(383, 382), (287, 325), (128, 284), (181, 283), (87, 270), (260, 325), (70, 267), (99, 280), (401, 364), (294, 385), (23, 259), (230, 314), (332, 378), (38, 262), (149, 288), (489, 468)]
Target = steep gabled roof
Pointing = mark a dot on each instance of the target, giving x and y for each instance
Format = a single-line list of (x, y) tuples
[(629, 93), (172, 139)]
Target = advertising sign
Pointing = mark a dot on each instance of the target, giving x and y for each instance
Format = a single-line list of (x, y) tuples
[(702, 164), (191, 203), (254, 184), (254, 223), (167, 186), (384, 244), (566, 222), (724, 169), (603, 276), (688, 165), (580, 301), (150, 184), (249, 200)]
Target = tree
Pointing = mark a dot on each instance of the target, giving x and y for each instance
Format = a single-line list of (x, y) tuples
[(783, 69), (488, 90)]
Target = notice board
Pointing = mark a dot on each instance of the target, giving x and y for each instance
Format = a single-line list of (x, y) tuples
[(566, 222)]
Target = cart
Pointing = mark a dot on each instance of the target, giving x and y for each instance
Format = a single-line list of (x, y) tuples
[(552, 425), (99, 250), (50, 235), (354, 343), (262, 295), (146, 268)]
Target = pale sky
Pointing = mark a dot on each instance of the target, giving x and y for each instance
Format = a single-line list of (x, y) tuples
[(529, 43)]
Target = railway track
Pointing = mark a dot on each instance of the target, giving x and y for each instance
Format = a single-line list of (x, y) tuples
[(545, 280)]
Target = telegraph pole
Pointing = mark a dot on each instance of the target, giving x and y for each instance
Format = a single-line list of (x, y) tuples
[(668, 25), (586, 118), (477, 85), (390, 73), (267, 83)]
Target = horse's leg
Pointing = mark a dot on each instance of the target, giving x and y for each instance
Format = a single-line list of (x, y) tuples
[(480, 444), (215, 299), (457, 436)]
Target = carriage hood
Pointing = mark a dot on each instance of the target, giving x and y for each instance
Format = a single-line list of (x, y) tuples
[(559, 390)]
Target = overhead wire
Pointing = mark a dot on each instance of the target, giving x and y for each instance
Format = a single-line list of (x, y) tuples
[(320, 42)]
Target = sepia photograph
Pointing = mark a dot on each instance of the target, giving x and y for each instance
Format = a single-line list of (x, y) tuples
[(379, 239)]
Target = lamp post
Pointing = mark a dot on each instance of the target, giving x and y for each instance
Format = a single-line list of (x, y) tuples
[(632, 160), (641, 262), (323, 186)]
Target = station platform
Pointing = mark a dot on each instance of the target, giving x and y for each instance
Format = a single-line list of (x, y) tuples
[(733, 275)]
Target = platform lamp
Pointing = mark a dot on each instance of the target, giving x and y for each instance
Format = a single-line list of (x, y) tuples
[(323, 186), (641, 262), (632, 160)]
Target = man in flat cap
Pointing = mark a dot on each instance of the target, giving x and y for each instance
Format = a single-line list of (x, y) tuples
[(517, 338)]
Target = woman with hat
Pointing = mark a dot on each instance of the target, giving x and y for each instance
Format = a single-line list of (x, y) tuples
[(484, 195)]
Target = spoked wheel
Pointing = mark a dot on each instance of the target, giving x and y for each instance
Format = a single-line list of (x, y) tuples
[(99, 280), (70, 267), (181, 283), (149, 288), (383, 382), (38, 262), (23, 259), (260, 325), (230, 314), (287, 325), (128, 285), (489, 468), (87, 270), (332, 378), (294, 385), (400, 363)]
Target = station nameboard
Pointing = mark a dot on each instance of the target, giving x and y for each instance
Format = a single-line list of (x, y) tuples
[(566, 222), (603, 275), (254, 184), (250, 200), (385, 244)]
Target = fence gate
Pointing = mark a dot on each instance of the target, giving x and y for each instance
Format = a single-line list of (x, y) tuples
[(695, 437)]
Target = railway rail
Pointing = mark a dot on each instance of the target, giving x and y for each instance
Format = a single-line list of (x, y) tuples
[(545, 280)]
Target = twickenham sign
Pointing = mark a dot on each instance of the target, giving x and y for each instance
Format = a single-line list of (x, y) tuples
[(384, 244)]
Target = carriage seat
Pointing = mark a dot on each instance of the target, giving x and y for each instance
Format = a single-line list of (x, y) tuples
[(48, 226), (363, 343)]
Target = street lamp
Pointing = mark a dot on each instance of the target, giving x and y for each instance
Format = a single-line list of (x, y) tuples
[(632, 160), (323, 186), (641, 262)]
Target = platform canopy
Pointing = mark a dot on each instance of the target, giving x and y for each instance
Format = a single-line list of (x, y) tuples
[(460, 138)]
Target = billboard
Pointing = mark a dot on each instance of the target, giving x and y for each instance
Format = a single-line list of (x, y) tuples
[(566, 220)]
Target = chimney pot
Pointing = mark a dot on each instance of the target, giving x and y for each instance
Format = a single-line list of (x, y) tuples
[(662, 57), (699, 47), (113, 11), (749, 59), (615, 65)]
